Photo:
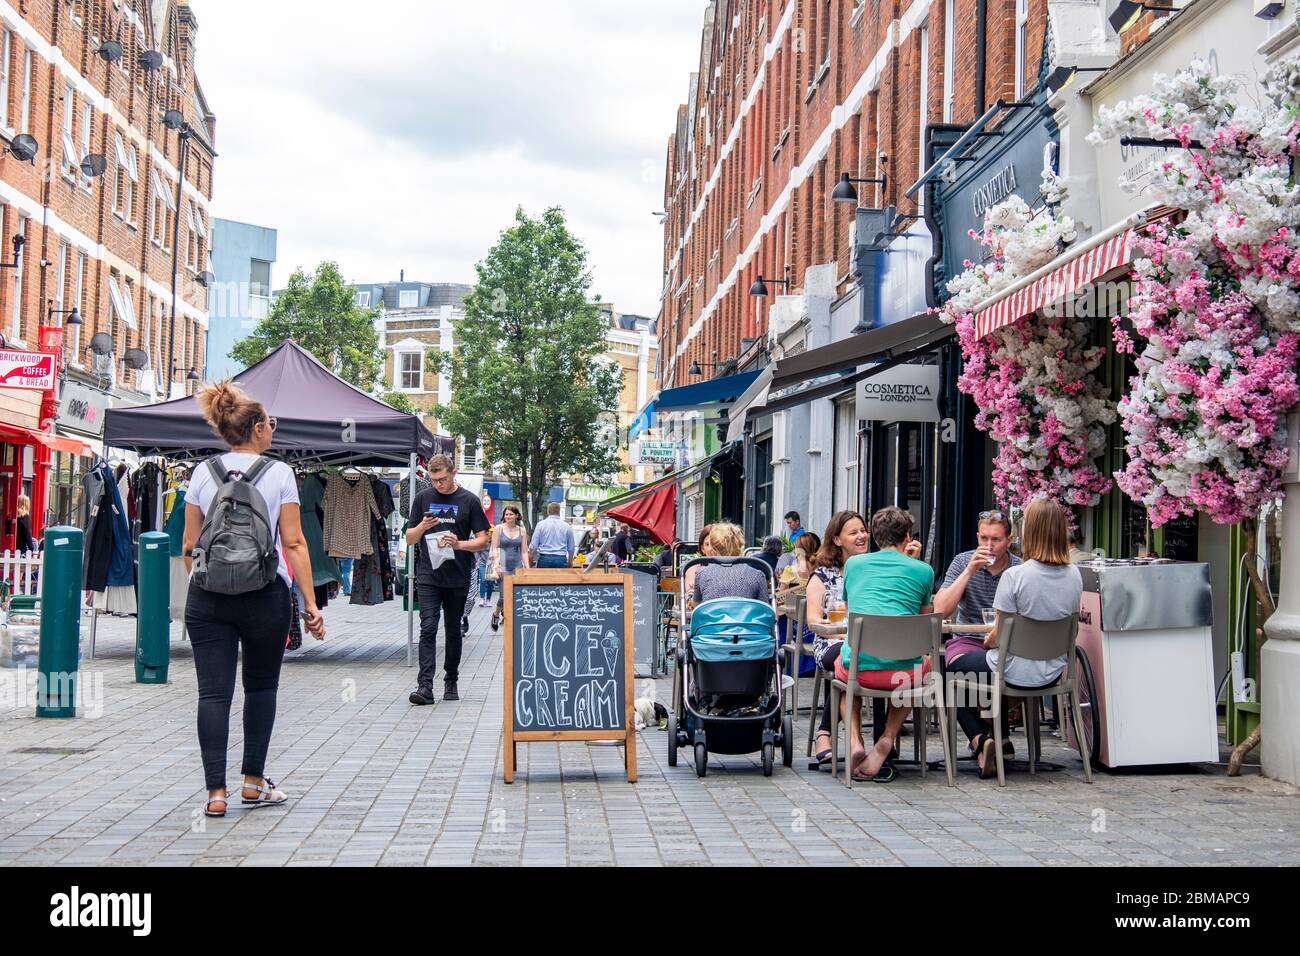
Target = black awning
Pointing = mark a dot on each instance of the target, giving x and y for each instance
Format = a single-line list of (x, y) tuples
[(888, 344)]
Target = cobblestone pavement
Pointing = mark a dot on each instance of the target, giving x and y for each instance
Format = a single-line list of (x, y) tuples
[(374, 780)]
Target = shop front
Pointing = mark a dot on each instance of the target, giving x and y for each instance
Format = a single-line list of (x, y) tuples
[(81, 417), (710, 472)]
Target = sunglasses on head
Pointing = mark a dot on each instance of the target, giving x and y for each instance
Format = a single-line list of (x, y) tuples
[(992, 516)]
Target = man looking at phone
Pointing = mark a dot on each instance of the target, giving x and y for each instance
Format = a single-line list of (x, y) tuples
[(972, 581), (445, 516)]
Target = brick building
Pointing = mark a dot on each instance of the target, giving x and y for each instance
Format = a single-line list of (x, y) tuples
[(789, 95), (89, 82), (416, 318)]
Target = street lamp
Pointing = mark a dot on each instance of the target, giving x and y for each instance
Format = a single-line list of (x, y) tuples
[(696, 368), (759, 288), (175, 120), (1126, 11), (844, 191)]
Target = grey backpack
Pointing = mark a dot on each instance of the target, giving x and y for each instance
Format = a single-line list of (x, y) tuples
[(236, 550)]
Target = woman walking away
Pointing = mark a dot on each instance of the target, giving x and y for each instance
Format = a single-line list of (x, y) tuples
[(23, 526), (237, 602), (509, 551)]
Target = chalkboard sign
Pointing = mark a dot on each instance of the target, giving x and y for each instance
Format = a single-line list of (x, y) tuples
[(645, 605), (568, 660)]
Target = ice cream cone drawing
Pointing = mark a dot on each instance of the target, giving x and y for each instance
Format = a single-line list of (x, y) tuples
[(609, 644)]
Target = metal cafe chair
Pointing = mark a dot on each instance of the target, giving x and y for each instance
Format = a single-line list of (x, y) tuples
[(1035, 641), (894, 638)]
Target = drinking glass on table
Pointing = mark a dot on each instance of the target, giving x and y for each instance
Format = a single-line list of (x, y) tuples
[(990, 615), (838, 613)]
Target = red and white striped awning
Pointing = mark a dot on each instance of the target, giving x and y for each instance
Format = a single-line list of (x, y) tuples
[(1068, 274)]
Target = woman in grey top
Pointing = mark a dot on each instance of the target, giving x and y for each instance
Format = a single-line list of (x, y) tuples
[(729, 580), (509, 551)]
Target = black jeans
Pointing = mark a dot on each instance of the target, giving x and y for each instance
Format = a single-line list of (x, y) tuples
[(975, 662), (219, 625), (450, 602)]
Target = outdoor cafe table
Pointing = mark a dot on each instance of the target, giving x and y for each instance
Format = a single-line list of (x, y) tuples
[(841, 628)]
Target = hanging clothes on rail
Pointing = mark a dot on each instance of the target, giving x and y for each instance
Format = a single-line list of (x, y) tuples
[(175, 528), (108, 570), (324, 569), (349, 506), (384, 501), (422, 483), (147, 493), (372, 573)]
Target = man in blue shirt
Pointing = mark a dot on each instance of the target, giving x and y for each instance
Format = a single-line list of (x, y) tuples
[(794, 525), (552, 542)]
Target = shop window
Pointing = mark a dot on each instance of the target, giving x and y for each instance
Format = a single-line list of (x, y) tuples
[(410, 371), (845, 492), (762, 488)]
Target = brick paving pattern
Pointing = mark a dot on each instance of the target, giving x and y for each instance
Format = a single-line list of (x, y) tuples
[(375, 780)]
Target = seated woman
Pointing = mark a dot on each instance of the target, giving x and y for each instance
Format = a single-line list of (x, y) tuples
[(887, 582), (800, 570), (688, 582), (771, 552), (846, 536), (729, 580), (1044, 587)]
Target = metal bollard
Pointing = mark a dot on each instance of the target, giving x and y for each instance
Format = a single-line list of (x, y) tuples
[(60, 651), (152, 629)]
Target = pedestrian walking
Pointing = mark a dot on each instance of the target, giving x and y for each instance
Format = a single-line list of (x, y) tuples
[(486, 583), (239, 605), (23, 539), (552, 545), (447, 526), (509, 552)]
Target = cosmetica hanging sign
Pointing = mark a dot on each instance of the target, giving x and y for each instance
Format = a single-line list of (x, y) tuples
[(904, 393)]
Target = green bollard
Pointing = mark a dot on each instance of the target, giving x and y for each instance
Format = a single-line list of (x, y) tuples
[(60, 651), (152, 628)]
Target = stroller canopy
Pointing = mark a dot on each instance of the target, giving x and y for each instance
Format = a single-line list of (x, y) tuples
[(729, 629)]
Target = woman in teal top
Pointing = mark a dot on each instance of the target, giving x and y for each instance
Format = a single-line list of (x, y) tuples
[(890, 582)]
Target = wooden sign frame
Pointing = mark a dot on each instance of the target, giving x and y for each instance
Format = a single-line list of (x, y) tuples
[(511, 738)]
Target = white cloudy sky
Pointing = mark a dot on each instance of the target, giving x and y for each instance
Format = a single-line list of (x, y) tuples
[(398, 134)]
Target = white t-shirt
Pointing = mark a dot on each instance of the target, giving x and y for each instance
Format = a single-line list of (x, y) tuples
[(276, 484), (1041, 592)]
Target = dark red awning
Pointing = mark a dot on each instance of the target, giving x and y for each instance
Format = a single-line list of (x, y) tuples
[(655, 513)]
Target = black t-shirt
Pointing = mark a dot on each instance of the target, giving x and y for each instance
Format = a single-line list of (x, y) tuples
[(460, 512)]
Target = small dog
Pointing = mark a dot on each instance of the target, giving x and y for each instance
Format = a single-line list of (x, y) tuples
[(648, 712)]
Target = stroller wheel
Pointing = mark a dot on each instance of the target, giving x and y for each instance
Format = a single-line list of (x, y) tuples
[(672, 740), (769, 755), (701, 760), (787, 741)]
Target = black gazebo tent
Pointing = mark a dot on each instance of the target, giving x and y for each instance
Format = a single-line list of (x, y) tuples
[(319, 418)]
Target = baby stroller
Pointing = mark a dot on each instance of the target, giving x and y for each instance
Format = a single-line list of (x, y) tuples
[(727, 680)]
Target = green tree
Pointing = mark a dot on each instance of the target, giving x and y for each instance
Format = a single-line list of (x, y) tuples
[(320, 313), (526, 378), (397, 400)]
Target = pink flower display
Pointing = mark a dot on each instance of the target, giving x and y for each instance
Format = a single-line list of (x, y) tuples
[(1032, 381), (1217, 298)]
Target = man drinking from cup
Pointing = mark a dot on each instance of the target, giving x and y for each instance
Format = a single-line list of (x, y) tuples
[(972, 582)]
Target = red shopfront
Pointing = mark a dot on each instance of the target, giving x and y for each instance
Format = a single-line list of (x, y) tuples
[(27, 409)]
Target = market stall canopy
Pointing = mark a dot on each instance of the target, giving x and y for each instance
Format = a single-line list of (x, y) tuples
[(319, 418)]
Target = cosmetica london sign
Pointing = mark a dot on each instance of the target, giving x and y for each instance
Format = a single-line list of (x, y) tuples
[(904, 393)]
